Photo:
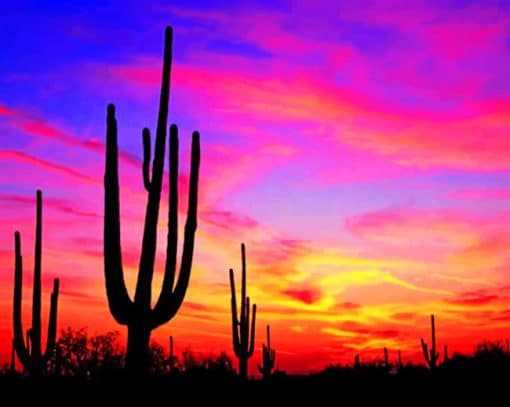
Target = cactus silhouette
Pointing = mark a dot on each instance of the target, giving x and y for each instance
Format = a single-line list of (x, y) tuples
[(30, 354), (386, 361), (445, 354), (243, 337), (268, 356), (399, 360), (138, 314), (356, 361), (431, 356), (172, 359)]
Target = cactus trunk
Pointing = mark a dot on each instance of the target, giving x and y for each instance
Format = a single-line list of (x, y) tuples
[(137, 352)]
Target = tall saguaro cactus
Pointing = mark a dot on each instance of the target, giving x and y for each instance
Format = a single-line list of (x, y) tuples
[(30, 353), (242, 335), (138, 314), (431, 356), (268, 356)]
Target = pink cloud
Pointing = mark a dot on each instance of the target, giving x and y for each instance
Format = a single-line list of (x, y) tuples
[(20, 157), (229, 220), (5, 111), (481, 194)]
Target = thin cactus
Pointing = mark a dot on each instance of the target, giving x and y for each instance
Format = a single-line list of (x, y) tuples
[(399, 360), (356, 361), (172, 360), (431, 356), (268, 356), (30, 353), (386, 361), (138, 314), (242, 336), (445, 354)]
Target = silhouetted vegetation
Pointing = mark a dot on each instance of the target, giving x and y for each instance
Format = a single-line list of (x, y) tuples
[(243, 336), (138, 315), (95, 363), (30, 352)]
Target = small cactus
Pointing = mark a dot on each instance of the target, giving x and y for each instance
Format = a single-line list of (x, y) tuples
[(242, 336), (386, 361), (268, 356), (431, 356)]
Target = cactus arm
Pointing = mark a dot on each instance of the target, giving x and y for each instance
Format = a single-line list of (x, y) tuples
[(52, 324), (245, 325), (425, 350), (19, 342), (173, 219), (146, 140), (235, 322), (118, 298), (252, 331), (169, 302)]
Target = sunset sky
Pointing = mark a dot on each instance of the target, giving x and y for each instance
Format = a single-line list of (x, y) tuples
[(360, 148)]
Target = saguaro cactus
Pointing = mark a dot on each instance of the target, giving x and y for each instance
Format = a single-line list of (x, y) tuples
[(30, 354), (445, 354), (268, 356), (243, 337), (431, 356), (138, 315)]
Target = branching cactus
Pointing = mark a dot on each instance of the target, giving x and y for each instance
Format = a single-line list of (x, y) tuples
[(243, 337), (431, 356), (30, 353), (268, 356), (138, 314)]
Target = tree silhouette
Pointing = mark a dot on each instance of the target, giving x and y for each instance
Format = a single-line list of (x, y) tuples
[(138, 315), (30, 354), (243, 337)]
